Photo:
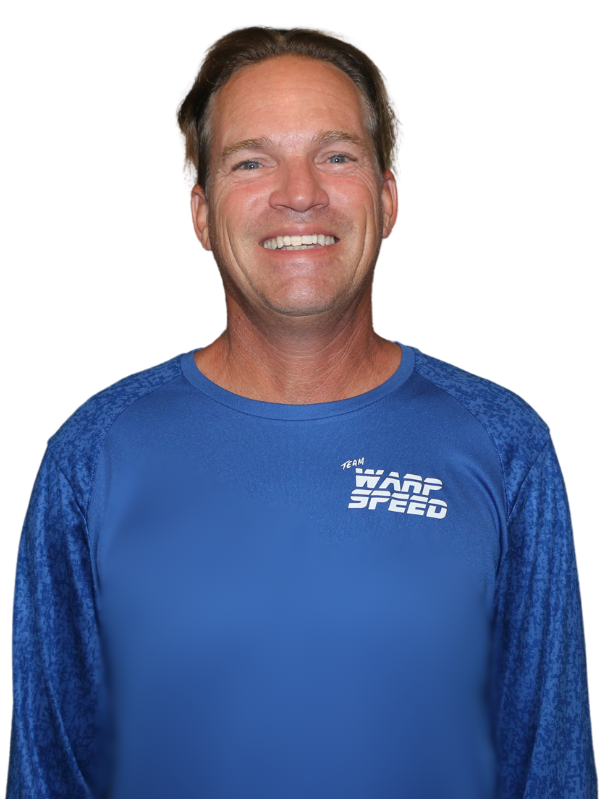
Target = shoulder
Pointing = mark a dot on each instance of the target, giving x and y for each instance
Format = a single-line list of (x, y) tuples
[(506, 415), (516, 430), (75, 446)]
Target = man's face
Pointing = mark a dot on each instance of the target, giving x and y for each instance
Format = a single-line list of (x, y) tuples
[(291, 157)]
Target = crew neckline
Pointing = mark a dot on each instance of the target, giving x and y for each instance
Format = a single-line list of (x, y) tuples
[(275, 410)]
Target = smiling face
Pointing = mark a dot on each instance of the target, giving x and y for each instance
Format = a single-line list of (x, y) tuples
[(296, 206)]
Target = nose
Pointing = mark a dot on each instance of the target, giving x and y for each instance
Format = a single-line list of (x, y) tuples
[(298, 187)]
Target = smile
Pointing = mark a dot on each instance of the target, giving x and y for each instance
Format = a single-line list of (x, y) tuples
[(299, 242)]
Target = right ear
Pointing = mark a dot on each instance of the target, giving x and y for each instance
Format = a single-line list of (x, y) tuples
[(199, 214)]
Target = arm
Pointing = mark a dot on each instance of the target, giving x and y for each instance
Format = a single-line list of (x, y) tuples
[(57, 711), (540, 688)]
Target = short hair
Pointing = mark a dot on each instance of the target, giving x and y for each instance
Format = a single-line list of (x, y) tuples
[(247, 46)]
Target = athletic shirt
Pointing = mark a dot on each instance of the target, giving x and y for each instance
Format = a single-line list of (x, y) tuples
[(224, 598)]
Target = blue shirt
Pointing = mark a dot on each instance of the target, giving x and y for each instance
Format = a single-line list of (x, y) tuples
[(224, 598)]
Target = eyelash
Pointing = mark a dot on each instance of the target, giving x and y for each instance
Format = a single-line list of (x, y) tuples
[(257, 164)]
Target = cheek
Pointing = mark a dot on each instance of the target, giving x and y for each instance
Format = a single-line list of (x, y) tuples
[(361, 208), (238, 208), (358, 196)]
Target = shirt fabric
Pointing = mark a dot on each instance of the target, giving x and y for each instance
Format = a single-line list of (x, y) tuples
[(224, 598)]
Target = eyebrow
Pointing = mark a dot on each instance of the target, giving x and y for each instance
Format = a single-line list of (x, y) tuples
[(263, 142)]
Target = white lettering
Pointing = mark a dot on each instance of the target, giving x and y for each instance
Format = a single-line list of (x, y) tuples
[(369, 478), (431, 484), (398, 503), (417, 508), (378, 496), (359, 498), (356, 462), (440, 512), (408, 495), (413, 480)]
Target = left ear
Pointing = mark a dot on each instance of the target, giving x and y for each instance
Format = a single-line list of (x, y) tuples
[(389, 197)]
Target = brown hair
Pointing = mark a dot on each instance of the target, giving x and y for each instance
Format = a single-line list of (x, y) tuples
[(247, 46)]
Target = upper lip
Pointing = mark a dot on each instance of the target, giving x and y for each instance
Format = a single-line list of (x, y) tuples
[(299, 230)]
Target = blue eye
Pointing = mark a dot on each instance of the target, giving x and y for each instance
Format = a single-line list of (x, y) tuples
[(337, 159), (248, 165)]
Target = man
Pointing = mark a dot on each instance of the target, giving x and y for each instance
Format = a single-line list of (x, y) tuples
[(303, 560)]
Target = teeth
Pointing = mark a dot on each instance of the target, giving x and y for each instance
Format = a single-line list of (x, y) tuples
[(298, 242)]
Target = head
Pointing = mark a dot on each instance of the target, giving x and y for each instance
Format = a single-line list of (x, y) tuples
[(290, 134), (250, 44)]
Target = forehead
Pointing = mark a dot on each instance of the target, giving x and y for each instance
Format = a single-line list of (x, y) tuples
[(287, 98)]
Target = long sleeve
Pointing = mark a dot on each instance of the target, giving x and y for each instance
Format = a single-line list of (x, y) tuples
[(58, 702), (540, 690)]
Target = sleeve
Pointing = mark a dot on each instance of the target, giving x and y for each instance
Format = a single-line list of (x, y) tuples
[(543, 732), (58, 710)]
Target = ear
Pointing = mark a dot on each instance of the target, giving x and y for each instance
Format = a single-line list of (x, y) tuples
[(199, 215), (389, 197)]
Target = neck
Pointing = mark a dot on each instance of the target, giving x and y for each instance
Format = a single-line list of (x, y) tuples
[(299, 360)]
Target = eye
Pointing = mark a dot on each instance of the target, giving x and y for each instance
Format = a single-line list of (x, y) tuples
[(337, 159), (247, 165)]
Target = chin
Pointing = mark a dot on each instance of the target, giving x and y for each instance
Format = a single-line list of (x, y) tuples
[(300, 306)]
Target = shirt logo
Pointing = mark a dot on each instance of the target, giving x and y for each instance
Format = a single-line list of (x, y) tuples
[(410, 494)]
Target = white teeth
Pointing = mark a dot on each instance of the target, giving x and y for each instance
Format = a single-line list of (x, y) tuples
[(298, 242)]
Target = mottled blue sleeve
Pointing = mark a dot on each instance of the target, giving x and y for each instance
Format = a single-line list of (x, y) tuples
[(540, 691), (58, 725)]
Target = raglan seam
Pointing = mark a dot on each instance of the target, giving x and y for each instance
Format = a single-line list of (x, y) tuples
[(508, 510), (108, 429), (487, 431), (96, 455), (541, 452), (56, 463)]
